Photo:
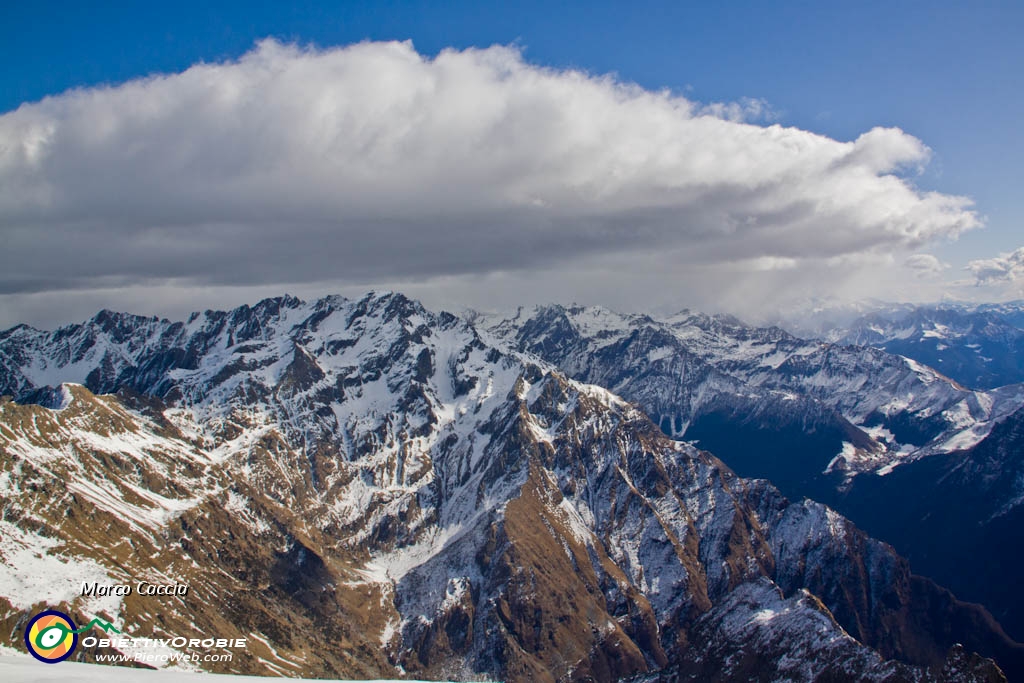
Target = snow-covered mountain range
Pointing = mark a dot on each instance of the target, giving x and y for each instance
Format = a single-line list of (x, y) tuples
[(700, 375), (980, 346), (365, 488)]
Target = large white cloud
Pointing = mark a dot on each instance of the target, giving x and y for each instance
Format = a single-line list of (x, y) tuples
[(374, 163)]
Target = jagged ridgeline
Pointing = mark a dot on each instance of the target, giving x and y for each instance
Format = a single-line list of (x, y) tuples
[(365, 488)]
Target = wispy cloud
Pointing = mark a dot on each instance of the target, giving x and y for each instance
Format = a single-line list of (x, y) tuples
[(374, 163), (926, 265), (1004, 268)]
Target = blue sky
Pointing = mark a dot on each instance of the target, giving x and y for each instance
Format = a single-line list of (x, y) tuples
[(949, 74)]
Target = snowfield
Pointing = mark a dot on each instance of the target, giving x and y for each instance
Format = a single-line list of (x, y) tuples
[(16, 667)]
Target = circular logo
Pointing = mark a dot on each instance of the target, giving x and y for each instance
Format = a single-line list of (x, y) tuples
[(50, 636)]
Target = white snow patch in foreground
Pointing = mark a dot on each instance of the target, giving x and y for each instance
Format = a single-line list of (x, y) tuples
[(25, 669)]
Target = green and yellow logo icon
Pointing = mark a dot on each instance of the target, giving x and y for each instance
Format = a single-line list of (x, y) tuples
[(51, 636)]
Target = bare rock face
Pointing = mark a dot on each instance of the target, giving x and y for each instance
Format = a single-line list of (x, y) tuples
[(368, 489)]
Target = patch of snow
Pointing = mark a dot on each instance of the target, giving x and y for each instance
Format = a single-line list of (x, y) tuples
[(774, 360), (764, 616), (844, 460), (880, 434), (395, 565), (108, 497), (239, 506), (939, 332), (32, 571), (25, 669), (655, 355), (967, 438), (574, 522)]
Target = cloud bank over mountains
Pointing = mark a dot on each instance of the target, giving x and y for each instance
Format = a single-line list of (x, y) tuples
[(472, 170), (1008, 267)]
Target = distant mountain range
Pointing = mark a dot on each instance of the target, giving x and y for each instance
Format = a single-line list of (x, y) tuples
[(366, 488), (980, 346)]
